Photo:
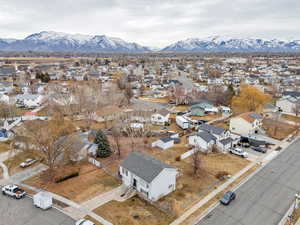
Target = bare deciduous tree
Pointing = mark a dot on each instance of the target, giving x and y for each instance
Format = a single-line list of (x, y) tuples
[(196, 162)]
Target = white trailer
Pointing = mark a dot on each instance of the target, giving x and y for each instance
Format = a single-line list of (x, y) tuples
[(182, 122), (42, 200)]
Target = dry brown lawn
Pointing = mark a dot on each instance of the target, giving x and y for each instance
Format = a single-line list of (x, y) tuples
[(207, 117), (181, 108), (91, 182), (4, 146), (93, 220), (14, 162), (291, 118), (161, 100), (134, 211), (190, 189), (278, 130), (222, 124)]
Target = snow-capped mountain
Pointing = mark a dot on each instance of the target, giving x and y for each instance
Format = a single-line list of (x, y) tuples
[(50, 41), (229, 44)]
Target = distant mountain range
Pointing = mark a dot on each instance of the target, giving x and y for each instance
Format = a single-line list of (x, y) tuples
[(50, 41), (228, 44)]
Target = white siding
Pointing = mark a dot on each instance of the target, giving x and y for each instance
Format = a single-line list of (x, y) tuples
[(163, 184), (241, 126)]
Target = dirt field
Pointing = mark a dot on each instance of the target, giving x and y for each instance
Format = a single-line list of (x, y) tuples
[(91, 182), (134, 211), (277, 129)]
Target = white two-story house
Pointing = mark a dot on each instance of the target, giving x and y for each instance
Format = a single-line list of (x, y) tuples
[(147, 175), (246, 123), (160, 117)]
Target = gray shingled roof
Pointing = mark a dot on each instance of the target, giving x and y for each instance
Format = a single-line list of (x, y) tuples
[(166, 139), (206, 136), (144, 166), (211, 129), (226, 141)]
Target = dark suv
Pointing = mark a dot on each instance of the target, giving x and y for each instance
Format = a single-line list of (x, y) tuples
[(259, 149), (228, 197)]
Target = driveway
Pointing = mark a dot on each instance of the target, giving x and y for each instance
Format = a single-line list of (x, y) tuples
[(266, 197), (22, 212)]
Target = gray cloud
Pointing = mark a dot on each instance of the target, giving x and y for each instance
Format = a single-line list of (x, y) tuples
[(152, 22)]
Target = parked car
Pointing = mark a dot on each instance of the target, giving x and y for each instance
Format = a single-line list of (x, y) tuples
[(228, 197), (244, 144), (259, 149), (28, 162), (239, 152), (84, 222), (13, 191)]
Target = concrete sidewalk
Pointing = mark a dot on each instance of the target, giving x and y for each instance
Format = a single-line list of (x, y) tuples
[(114, 194)]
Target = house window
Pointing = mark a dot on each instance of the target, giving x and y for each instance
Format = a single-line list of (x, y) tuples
[(124, 171)]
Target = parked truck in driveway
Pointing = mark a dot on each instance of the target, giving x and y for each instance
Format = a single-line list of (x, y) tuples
[(182, 122), (42, 200)]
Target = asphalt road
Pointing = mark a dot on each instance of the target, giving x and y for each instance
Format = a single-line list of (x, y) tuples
[(266, 197), (22, 212)]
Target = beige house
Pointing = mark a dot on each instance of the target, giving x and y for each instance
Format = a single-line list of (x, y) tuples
[(246, 123)]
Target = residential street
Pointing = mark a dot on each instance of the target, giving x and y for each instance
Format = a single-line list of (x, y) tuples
[(266, 197), (22, 212)]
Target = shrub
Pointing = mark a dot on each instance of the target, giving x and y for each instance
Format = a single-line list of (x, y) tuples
[(177, 158), (66, 176), (221, 175)]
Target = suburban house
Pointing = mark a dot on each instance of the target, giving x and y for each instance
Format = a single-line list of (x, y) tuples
[(4, 98), (164, 143), (203, 140), (200, 109), (218, 132), (289, 104), (29, 100), (152, 178), (209, 135), (246, 123), (160, 117)]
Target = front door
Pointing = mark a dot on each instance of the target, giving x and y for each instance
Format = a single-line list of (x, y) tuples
[(134, 182)]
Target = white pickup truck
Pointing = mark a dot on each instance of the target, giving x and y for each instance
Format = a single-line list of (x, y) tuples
[(239, 152), (13, 191)]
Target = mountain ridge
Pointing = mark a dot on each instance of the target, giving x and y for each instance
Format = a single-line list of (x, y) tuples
[(51, 41)]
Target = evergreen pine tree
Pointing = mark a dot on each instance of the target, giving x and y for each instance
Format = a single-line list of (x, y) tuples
[(103, 150)]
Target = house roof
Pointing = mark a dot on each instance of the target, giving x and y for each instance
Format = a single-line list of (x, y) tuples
[(295, 94), (211, 129), (250, 117), (206, 136), (144, 166), (163, 112), (166, 139), (226, 141), (4, 71)]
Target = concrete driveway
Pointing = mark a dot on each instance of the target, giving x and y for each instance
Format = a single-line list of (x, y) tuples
[(22, 212)]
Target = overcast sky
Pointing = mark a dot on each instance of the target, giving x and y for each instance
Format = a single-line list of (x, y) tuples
[(152, 22)]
